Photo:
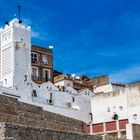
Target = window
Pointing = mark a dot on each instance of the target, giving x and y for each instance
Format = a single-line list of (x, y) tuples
[(46, 75), (50, 95), (121, 107), (108, 109), (34, 73), (34, 94), (73, 99), (5, 81), (45, 59), (63, 88), (34, 56)]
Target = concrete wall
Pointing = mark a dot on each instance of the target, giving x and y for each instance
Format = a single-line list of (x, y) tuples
[(125, 105), (136, 131), (106, 106), (133, 132), (79, 109)]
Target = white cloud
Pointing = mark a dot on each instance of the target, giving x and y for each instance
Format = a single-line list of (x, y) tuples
[(27, 21), (130, 74), (35, 34)]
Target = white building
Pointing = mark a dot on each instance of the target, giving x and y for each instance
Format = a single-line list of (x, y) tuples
[(114, 106), (15, 56), (15, 77), (69, 103), (109, 109)]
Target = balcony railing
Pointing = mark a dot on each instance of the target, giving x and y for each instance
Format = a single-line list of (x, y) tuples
[(35, 78), (46, 79)]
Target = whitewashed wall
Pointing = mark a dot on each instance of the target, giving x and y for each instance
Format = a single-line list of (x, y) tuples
[(80, 108)]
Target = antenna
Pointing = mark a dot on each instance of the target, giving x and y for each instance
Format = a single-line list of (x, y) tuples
[(19, 8)]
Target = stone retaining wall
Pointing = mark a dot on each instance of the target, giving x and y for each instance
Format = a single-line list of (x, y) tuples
[(17, 132), (21, 121), (13, 111)]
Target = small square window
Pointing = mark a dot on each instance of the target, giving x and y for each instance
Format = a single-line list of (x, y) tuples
[(34, 94), (73, 99), (121, 107), (34, 56)]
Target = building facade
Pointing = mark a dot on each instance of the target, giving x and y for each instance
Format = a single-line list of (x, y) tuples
[(80, 82), (19, 63), (114, 106), (77, 82), (15, 58), (42, 64)]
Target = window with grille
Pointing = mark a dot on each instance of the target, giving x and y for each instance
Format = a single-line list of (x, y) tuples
[(34, 56), (46, 75), (34, 71)]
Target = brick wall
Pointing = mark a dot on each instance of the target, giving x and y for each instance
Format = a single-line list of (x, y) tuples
[(122, 124), (110, 126), (98, 128)]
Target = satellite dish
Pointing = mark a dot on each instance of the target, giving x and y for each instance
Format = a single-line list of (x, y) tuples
[(77, 77), (73, 75), (50, 47)]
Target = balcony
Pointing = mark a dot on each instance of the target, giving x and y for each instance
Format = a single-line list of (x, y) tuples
[(35, 78), (34, 61), (46, 79)]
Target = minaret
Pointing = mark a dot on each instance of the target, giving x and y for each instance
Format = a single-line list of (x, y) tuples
[(15, 53)]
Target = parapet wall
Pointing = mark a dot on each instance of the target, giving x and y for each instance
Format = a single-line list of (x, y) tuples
[(23, 121)]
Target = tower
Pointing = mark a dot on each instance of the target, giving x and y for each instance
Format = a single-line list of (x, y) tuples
[(15, 54)]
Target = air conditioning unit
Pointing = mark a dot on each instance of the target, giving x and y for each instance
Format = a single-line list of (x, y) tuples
[(50, 101), (69, 104)]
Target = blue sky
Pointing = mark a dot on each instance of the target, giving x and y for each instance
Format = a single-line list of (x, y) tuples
[(92, 37)]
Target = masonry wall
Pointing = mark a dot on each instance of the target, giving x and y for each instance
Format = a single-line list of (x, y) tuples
[(17, 132), (100, 80), (20, 121), (2, 131)]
